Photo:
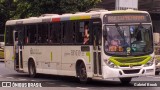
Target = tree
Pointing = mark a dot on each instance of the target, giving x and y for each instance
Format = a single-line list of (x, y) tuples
[(7, 8), (28, 8), (18, 9)]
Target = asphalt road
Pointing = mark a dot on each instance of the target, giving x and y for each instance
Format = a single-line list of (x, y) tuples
[(70, 83)]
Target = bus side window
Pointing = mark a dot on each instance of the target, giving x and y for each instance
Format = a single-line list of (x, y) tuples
[(68, 32), (9, 35), (26, 40), (32, 34), (55, 33), (82, 32), (43, 33), (86, 34)]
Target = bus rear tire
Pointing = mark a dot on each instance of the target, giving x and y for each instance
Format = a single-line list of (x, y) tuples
[(82, 73), (32, 69), (125, 80)]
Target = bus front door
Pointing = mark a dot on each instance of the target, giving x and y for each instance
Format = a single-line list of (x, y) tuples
[(18, 41), (97, 35)]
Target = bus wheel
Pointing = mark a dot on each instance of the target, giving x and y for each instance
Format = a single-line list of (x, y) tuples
[(32, 69), (125, 80), (82, 74)]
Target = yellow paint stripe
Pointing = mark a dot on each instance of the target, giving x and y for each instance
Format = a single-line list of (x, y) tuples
[(51, 56), (12, 57), (79, 17), (89, 56), (85, 17)]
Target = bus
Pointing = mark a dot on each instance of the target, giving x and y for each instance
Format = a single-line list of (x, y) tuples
[(98, 44)]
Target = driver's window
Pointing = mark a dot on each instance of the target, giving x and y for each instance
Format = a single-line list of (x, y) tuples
[(140, 38), (113, 39)]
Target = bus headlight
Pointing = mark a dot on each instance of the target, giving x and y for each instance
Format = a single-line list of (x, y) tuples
[(149, 63), (110, 64)]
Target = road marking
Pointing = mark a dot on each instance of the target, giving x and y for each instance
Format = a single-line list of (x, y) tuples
[(10, 77), (33, 80), (82, 88), (22, 79), (64, 85)]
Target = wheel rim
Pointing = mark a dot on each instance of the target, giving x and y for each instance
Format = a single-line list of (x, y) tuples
[(83, 74)]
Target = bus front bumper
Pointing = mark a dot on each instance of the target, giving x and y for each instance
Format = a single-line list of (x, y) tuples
[(128, 72)]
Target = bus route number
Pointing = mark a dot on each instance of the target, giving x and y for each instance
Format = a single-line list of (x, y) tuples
[(75, 53)]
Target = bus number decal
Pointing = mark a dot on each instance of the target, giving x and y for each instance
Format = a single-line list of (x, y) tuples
[(75, 53), (35, 51)]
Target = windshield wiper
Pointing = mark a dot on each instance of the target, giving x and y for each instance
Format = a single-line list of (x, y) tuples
[(120, 32), (138, 29)]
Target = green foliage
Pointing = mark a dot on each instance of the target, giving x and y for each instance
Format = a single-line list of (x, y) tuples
[(6, 12), (16, 9), (27, 8)]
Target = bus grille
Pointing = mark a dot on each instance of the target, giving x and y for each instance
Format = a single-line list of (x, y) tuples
[(131, 71), (130, 61), (134, 60), (129, 65)]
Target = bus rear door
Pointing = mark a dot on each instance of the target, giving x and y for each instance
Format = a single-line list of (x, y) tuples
[(18, 43)]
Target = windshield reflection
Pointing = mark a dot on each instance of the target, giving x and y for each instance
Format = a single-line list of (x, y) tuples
[(128, 40)]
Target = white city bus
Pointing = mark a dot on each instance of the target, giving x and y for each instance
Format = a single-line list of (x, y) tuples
[(119, 45)]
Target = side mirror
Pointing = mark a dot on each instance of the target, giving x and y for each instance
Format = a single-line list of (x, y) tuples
[(156, 37)]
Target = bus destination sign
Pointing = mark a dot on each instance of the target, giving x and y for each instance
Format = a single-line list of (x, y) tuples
[(126, 18)]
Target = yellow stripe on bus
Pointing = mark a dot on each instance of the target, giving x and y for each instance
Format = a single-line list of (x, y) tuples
[(79, 17), (13, 58), (88, 54), (51, 56)]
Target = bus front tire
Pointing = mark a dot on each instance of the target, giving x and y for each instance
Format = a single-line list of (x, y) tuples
[(82, 74), (32, 69), (125, 80)]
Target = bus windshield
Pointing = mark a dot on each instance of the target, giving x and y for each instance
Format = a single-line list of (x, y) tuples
[(128, 39)]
